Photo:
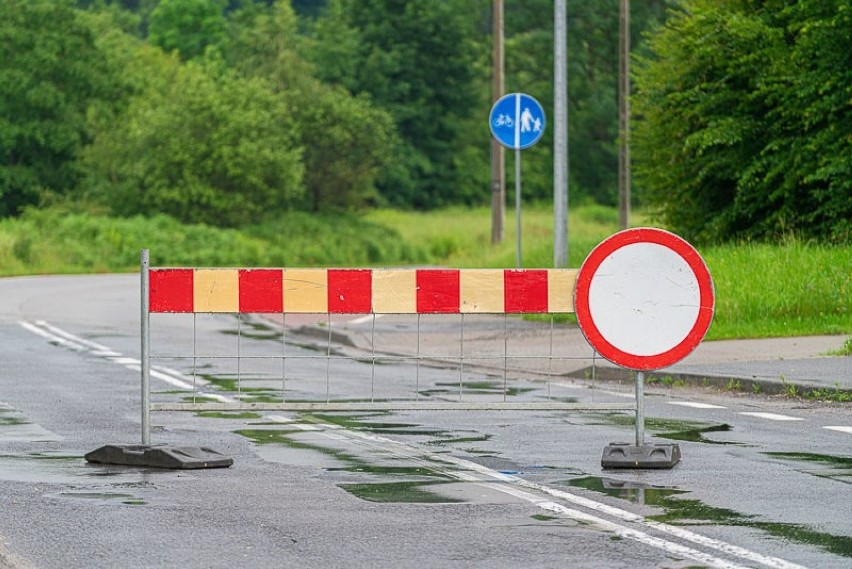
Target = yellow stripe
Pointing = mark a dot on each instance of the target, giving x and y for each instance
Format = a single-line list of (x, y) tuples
[(395, 291), (482, 291), (560, 290), (306, 290), (216, 290)]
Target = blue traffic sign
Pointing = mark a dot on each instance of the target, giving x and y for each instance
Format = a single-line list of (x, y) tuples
[(517, 121)]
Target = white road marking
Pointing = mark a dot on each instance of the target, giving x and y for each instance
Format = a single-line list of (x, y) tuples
[(773, 416), (512, 485), (78, 344), (841, 429), (696, 405)]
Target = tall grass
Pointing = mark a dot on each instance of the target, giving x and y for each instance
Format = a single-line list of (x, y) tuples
[(782, 289), (789, 288)]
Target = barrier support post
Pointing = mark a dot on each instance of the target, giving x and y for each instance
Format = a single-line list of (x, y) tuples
[(146, 347), (147, 455), (640, 455)]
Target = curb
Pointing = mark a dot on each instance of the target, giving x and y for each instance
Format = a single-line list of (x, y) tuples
[(734, 384)]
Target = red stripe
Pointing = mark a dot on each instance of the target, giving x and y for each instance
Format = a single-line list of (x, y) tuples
[(171, 290), (261, 290), (525, 291), (350, 291), (438, 291)]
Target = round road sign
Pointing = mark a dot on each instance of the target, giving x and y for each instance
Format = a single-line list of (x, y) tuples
[(644, 298), (517, 121)]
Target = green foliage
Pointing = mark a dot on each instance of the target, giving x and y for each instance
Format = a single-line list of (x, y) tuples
[(416, 60), (50, 72), (346, 140), (592, 66), (199, 145), (187, 26), (746, 129), (787, 288), (58, 240)]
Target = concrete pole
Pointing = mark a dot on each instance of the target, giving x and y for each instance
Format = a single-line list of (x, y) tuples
[(560, 136), (498, 162)]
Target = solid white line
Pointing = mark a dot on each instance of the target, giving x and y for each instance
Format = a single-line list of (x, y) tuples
[(841, 429), (773, 416), (696, 405), (773, 562)]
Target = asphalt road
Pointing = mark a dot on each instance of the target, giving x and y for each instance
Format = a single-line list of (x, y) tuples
[(764, 481)]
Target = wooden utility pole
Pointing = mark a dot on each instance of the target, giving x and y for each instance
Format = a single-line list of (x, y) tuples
[(498, 163), (624, 115)]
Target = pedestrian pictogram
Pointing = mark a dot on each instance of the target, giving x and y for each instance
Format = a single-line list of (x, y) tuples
[(517, 121)]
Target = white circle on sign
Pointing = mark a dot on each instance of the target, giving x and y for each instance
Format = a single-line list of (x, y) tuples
[(644, 287), (648, 310)]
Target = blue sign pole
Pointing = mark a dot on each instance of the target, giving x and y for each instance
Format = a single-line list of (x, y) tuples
[(517, 122)]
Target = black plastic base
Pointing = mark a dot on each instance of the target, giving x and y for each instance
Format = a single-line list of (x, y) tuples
[(623, 455), (160, 456)]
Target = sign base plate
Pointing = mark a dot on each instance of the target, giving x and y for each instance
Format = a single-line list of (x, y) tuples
[(160, 456), (623, 455)]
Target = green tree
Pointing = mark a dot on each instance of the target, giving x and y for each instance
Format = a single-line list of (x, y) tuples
[(417, 61), (592, 75), (346, 139), (745, 127), (50, 71), (188, 26), (200, 144)]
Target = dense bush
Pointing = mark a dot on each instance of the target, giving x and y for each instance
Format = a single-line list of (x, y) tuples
[(746, 129)]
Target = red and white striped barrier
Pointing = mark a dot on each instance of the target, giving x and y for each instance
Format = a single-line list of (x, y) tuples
[(363, 291)]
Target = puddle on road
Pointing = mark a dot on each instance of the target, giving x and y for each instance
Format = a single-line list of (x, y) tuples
[(476, 387), (355, 423), (689, 431), (107, 498), (384, 477), (16, 427), (238, 415), (399, 492), (99, 484), (685, 512), (837, 468)]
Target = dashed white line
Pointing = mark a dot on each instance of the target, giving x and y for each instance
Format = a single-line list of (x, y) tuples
[(840, 429), (72, 342), (773, 416), (695, 405), (515, 486)]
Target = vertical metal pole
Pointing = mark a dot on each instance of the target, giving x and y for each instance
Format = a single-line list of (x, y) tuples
[(624, 116), (284, 358), (373, 371), (560, 136), (498, 163), (417, 364), (640, 408), (505, 357), (239, 357), (461, 358), (518, 202), (328, 361), (146, 348)]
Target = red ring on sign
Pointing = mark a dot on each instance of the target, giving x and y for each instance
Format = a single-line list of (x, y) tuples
[(586, 321)]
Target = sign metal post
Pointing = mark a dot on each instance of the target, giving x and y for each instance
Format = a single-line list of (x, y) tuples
[(517, 122), (644, 300)]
